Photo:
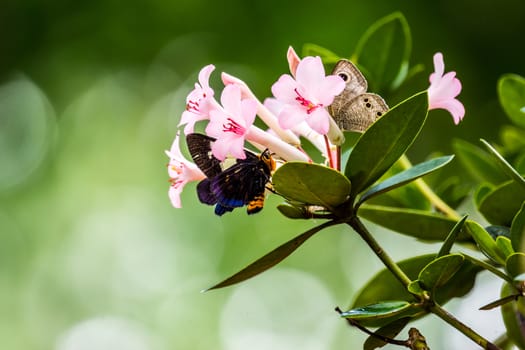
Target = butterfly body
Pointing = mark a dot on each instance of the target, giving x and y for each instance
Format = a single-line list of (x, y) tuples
[(242, 183), (355, 109)]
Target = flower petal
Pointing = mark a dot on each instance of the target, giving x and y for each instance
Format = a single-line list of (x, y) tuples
[(454, 107), (443, 90), (319, 121), (330, 87), (310, 72), (439, 64), (174, 196), (204, 76), (248, 111), (293, 60), (231, 99), (284, 89), (290, 116)]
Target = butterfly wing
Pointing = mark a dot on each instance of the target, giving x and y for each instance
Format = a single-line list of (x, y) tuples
[(241, 183), (199, 146), (355, 81), (360, 112), (355, 109)]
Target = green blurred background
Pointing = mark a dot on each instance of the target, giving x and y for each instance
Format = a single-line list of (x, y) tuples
[(93, 256)]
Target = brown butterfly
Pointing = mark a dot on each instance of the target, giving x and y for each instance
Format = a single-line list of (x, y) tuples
[(355, 109)]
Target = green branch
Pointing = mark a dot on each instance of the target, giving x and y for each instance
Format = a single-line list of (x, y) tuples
[(469, 332), (358, 226)]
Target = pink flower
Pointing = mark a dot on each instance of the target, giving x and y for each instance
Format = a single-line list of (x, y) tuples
[(444, 89), (293, 60), (199, 101), (306, 96), (181, 171), (230, 123)]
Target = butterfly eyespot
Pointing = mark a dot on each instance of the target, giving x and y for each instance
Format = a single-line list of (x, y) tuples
[(344, 76), (368, 105), (379, 114), (365, 99)]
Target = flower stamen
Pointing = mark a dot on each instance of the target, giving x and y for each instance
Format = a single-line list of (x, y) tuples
[(233, 126), (310, 106), (175, 183), (192, 106)]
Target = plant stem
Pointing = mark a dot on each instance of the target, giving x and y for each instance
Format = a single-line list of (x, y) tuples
[(489, 268), (469, 332), (436, 201), (358, 226)]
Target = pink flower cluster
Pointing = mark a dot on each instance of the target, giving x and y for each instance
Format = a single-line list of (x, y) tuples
[(298, 108)]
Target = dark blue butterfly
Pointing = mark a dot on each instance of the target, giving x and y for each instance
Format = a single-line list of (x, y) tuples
[(240, 184)]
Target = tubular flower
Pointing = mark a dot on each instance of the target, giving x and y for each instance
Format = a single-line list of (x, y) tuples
[(199, 102), (180, 171), (306, 96), (230, 123), (444, 89)]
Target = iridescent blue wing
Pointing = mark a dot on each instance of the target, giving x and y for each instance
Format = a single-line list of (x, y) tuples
[(241, 183)]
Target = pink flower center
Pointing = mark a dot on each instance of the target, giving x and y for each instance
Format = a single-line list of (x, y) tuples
[(177, 168), (310, 106), (233, 126), (193, 105), (175, 182)]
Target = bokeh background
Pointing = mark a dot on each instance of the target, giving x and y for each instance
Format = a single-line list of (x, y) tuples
[(93, 256)]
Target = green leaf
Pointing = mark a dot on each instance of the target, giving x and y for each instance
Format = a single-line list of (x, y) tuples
[(406, 176), (311, 184), (515, 264), (451, 238), (385, 141), (440, 271), (326, 55), (415, 223), (517, 230), (384, 286), (390, 330), (384, 49), (499, 302), (301, 211), (485, 241), (504, 246), (415, 288), (512, 138), (272, 258), (504, 165), (482, 191), (501, 204), (460, 284), (452, 190), (519, 163), (292, 211), (483, 265), (512, 317), (478, 163), (381, 310), (511, 93)]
